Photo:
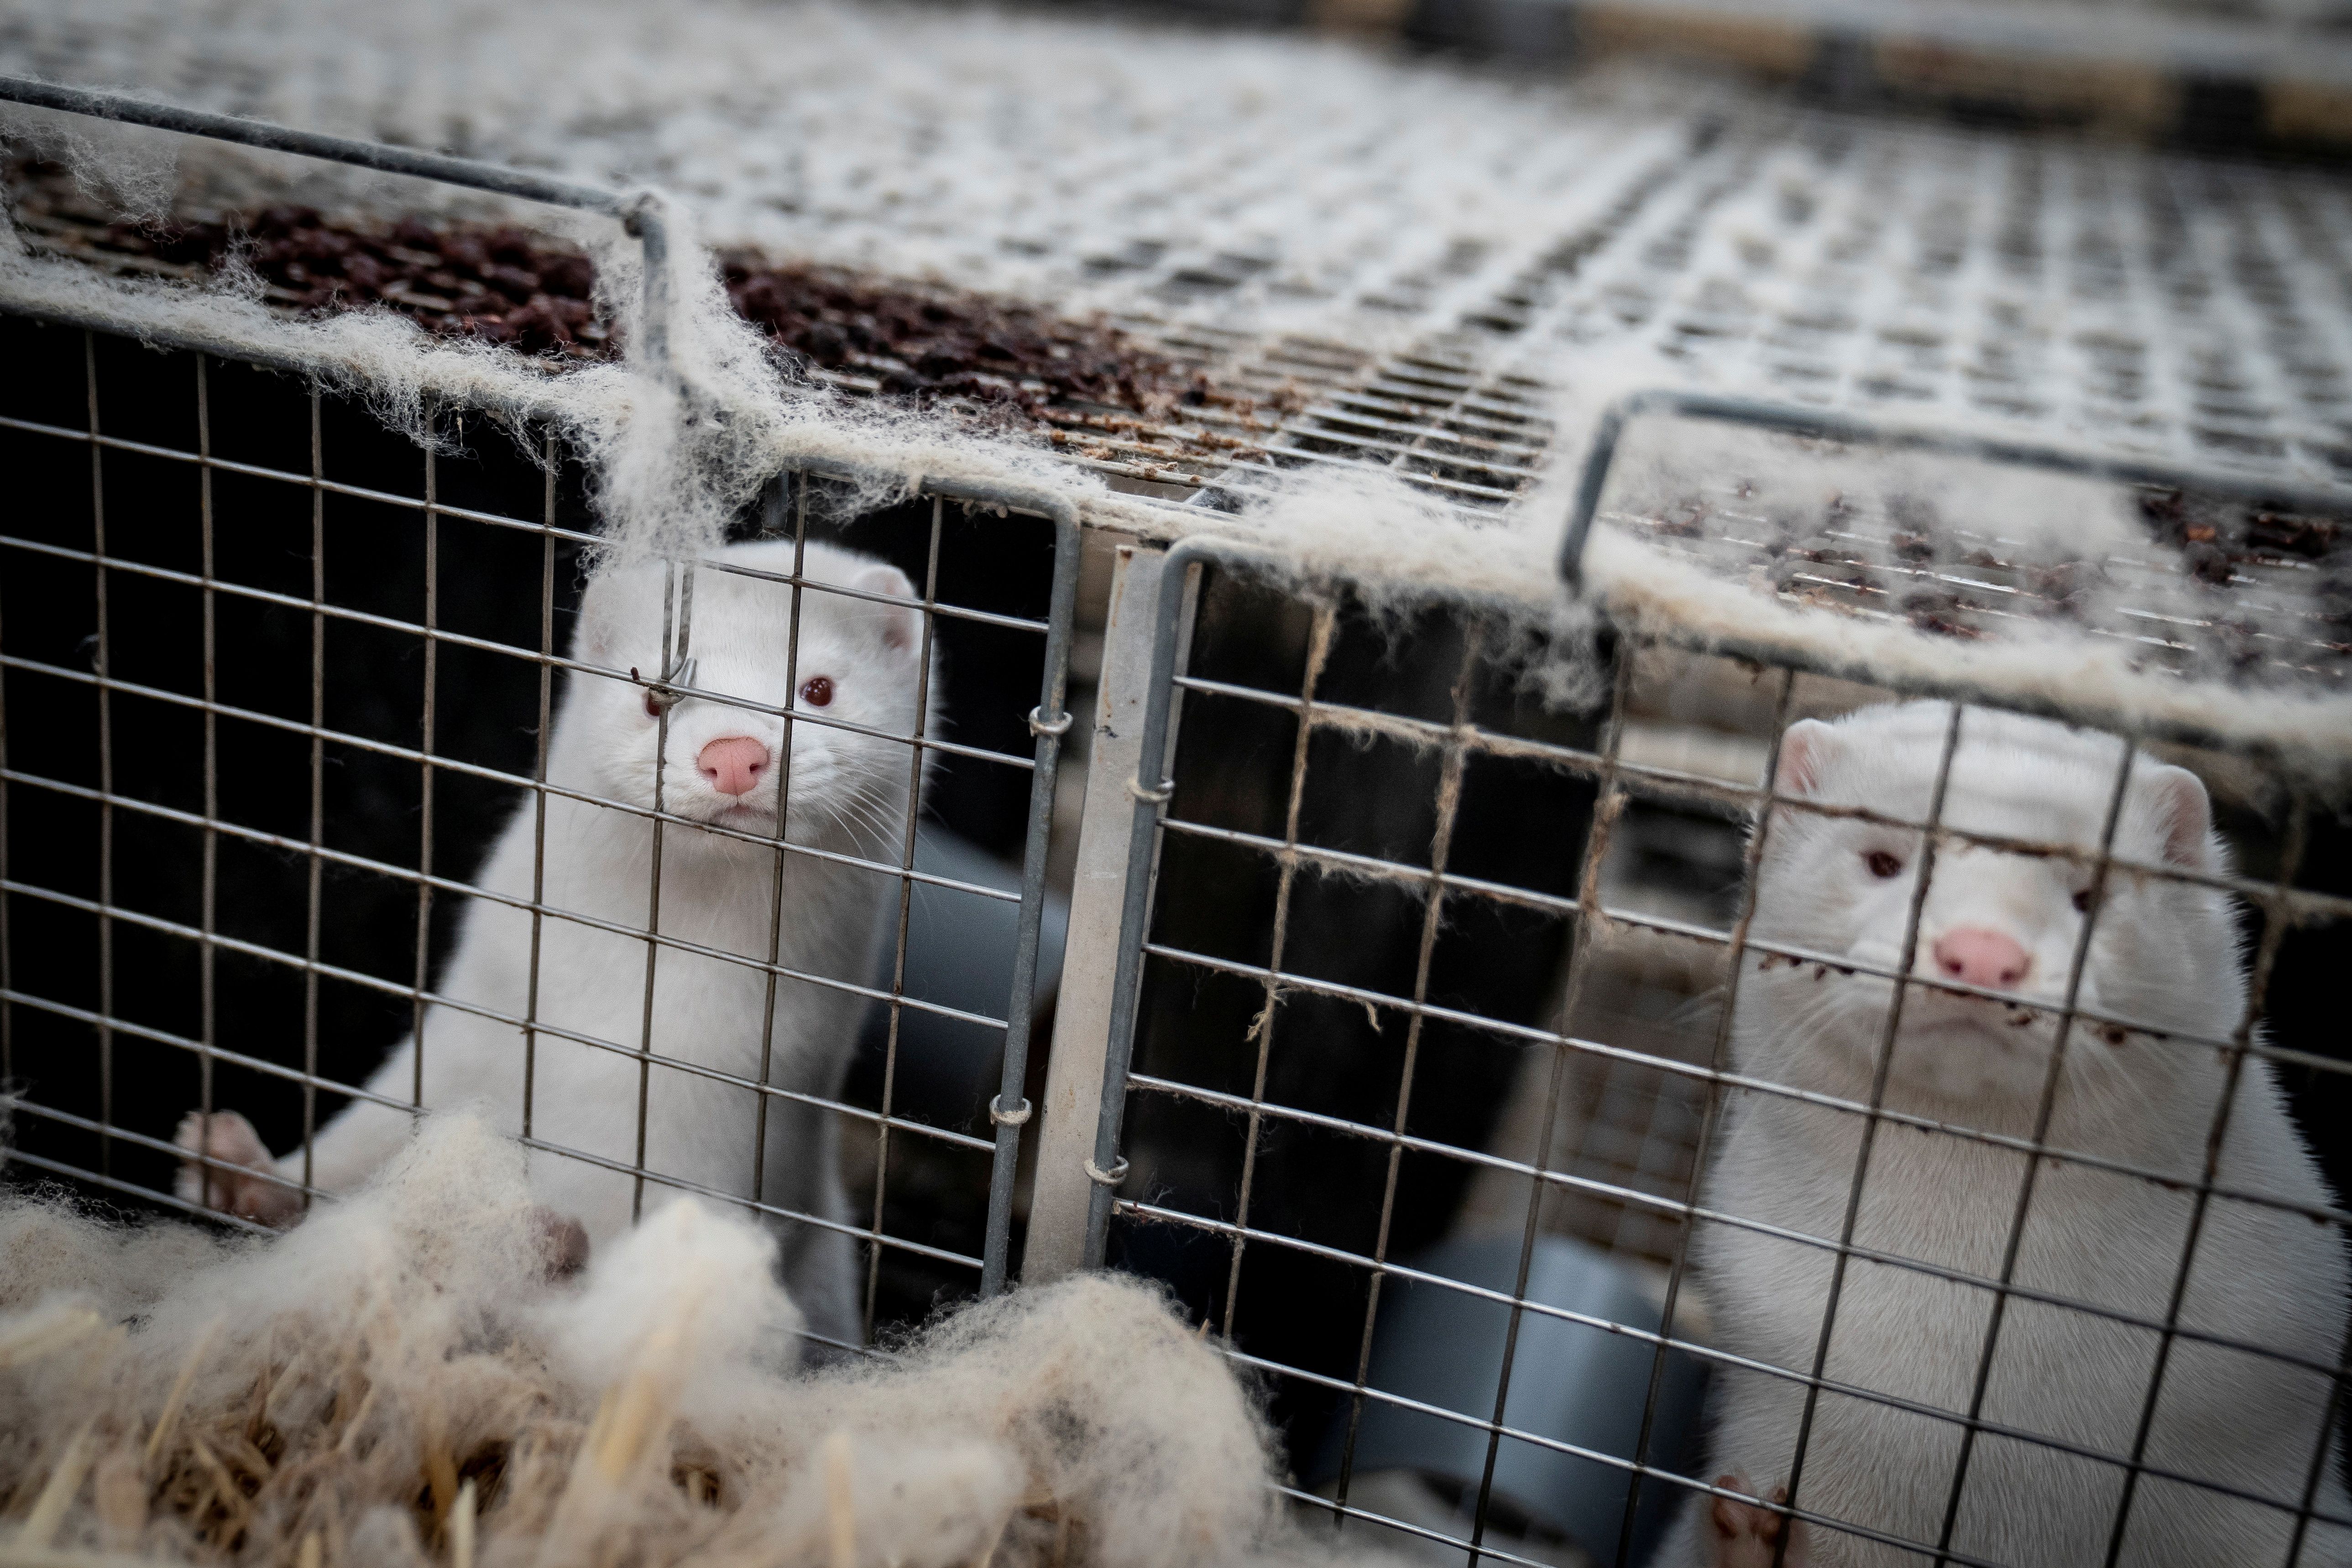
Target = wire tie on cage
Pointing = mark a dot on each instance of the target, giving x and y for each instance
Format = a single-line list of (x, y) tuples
[(1151, 797), (1057, 725), (1004, 1118), (1109, 1178), (664, 693)]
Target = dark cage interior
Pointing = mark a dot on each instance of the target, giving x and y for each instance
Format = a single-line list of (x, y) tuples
[(1219, 893), (143, 950)]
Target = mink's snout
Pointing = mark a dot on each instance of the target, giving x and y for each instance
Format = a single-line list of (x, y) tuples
[(1978, 956), (734, 765)]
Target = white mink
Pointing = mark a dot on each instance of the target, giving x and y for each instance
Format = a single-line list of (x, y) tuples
[(848, 795), (2162, 953)]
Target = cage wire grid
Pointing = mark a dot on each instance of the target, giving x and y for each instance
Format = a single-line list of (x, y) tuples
[(1163, 828), (786, 515), (1442, 417), (2151, 304), (1431, 412)]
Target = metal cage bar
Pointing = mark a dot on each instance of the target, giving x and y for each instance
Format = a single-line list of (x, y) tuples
[(1448, 807), (1107, 1169)]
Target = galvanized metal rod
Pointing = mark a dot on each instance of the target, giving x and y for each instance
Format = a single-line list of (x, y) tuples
[(1061, 1192), (1147, 798), (672, 652), (313, 885), (2047, 1107), (208, 877), (1608, 807), (539, 796), (1010, 1110), (1890, 1034), (1446, 807), (426, 738), (8, 949), (1718, 1053), (771, 508), (449, 171), (2322, 1453), (1325, 621), (2266, 951), (925, 654), (102, 661)]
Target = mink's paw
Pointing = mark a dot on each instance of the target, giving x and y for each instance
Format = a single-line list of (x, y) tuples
[(1746, 1534), (229, 1139)]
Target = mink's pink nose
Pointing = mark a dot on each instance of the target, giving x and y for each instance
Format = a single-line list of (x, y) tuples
[(734, 764), (1981, 957)]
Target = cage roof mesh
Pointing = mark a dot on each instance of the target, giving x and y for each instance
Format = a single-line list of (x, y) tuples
[(1438, 278)]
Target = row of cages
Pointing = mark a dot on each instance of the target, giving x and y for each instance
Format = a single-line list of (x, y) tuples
[(1535, 1096)]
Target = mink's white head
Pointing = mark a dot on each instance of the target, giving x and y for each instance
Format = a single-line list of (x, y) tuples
[(856, 669), (2163, 953)]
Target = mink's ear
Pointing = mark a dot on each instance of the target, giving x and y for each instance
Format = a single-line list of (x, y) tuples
[(899, 626), (2184, 816), (1806, 748)]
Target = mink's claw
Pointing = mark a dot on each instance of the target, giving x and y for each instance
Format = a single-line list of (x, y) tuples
[(227, 1139), (1747, 1535)]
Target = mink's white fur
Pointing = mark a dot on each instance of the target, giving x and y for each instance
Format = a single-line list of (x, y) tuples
[(2162, 953), (848, 795)]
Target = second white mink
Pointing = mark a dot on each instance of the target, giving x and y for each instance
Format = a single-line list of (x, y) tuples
[(2067, 1384), (859, 661)]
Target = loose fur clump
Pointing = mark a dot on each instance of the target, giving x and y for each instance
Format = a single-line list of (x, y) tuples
[(398, 1379)]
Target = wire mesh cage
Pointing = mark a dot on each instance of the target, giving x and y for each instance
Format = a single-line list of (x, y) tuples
[(289, 693), (1437, 995), (1578, 1114)]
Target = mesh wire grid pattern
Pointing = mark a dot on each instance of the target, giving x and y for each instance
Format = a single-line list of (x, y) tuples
[(2135, 302), (1471, 435), (2132, 300), (1309, 1006), (275, 677), (2152, 302), (2274, 613), (1631, 1158)]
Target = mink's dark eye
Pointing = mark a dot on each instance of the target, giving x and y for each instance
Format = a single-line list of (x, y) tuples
[(2083, 900), (652, 705), (1882, 865), (816, 691)]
